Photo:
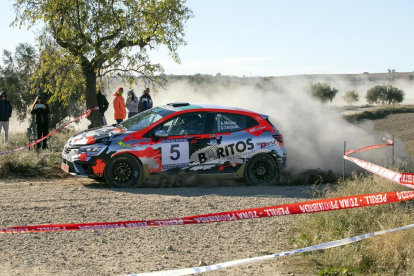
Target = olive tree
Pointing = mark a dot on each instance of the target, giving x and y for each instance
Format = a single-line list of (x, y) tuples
[(323, 91), (15, 75), (351, 96), (382, 94), (109, 37)]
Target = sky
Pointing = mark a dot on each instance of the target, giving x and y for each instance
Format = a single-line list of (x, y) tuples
[(278, 38)]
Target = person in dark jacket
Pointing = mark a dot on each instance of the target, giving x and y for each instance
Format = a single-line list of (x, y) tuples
[(5, 114), (102, 104), (145, 101), (41, 110)]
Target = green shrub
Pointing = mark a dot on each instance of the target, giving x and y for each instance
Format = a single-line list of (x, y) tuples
[(323, 91), (379, 113)]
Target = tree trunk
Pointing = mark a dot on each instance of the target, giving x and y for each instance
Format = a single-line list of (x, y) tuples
[(91, 100)]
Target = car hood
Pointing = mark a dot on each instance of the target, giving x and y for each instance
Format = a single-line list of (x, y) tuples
[(97, 135)]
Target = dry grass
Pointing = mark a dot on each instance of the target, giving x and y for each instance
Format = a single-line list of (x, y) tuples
[(390, 254), (29, 162)]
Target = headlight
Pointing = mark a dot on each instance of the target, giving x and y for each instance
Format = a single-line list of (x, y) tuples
[(93, 149)]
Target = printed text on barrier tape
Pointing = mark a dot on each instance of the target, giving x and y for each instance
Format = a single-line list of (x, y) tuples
[(331, 244), (322, 205), (52, 133)]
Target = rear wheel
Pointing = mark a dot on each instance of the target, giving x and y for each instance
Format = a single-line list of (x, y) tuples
[(123, 171), (262, 169)]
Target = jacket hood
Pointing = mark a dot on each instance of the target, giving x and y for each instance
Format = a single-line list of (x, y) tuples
[(3, 93), (117, 95), (133, 93)]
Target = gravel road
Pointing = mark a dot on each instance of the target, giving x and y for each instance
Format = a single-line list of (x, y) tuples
[(127, 251)]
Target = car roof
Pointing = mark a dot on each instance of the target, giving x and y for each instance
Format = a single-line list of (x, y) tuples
[(208, 107)]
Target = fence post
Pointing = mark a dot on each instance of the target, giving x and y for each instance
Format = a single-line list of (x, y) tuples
[(393, 146), (343, 170)]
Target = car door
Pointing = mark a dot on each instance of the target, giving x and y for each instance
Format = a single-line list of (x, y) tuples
[(186, 134), (229, 144)]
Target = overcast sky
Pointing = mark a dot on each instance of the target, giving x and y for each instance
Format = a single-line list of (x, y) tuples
[(276, 38)]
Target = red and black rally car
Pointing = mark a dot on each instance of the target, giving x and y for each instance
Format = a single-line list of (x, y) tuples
[(206, 139)]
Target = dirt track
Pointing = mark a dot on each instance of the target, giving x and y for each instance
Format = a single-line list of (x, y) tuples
[(114, 252)]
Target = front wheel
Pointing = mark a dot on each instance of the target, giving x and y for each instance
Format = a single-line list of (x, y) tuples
[(123, 171), (261, 169)]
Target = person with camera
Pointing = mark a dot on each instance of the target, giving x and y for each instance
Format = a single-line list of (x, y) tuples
[(41, 110), (5, 114), (132, 104)]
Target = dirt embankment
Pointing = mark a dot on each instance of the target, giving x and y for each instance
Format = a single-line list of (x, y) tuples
[(114, 252)]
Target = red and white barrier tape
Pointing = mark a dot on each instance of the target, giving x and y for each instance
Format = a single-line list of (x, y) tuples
[(405, 179), (327, 245), (322, 205), (53, 132)]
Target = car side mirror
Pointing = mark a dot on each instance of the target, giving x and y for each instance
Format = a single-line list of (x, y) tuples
[(160, 134)]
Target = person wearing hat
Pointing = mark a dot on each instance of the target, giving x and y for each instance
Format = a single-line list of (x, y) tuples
[(145, 101), (119, 106), (132, 104), (5, 114), (41, 110), (102, 104)]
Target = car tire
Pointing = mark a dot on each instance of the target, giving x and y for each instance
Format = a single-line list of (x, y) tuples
[(123, 171), (262, 169)]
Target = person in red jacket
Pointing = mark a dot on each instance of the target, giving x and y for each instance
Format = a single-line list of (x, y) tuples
[(119, 106)]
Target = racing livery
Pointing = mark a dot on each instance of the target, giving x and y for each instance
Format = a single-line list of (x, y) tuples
[(177, 137)]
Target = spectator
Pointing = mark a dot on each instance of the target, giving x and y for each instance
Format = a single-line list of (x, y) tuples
[(145, 101), (5, 114), (119, 106), (41, 110), (102, 104), (132, 103)]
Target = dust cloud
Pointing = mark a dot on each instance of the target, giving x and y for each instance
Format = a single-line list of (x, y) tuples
[(314, 133)]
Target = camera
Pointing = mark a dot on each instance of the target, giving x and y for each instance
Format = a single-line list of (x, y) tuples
[(39, 105)]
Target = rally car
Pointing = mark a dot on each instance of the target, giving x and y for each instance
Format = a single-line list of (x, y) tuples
[(177, 137)]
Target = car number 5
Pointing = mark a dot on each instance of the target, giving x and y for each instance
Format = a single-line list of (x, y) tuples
[(176, 151)]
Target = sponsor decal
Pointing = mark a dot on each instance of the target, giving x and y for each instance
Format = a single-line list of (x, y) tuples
[(216, 152), (122, 144), (262, 145), (256, 129)]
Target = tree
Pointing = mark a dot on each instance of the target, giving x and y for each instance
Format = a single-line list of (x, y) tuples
[(27, 71), (15, 77), (323, 91), (110, 37), (395, 95), (351, 96), (382, 94)]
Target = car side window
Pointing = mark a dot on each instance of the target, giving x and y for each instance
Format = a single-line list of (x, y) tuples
[(186, 124), (230, 122)]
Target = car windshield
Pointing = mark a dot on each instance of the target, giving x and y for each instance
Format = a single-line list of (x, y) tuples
[(146, 118)]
